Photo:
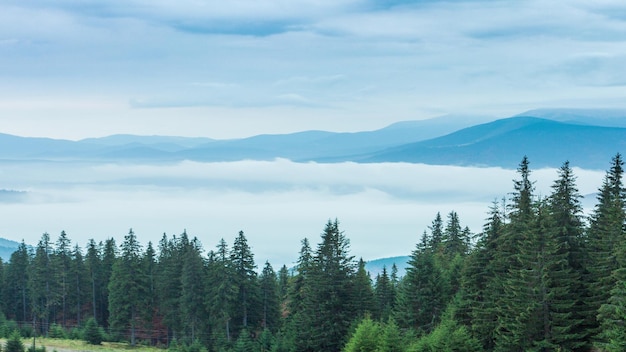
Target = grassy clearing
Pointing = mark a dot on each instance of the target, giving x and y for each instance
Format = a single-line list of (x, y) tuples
[(62, 345)]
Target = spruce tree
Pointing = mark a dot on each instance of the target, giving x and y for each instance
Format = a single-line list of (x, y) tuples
[(193, 289), (604, 238), (17, 294), (3, 299), (77, 284), (384, 292), (269, 299), (366, 337), (127, 288), (93, 262), (221, 295), (168, 274), (332, 290), (479, 286), (41, 283), (92, 333), (296, 334), (570, 311), (421, 299), (14, 343), (109, 257), (245, 279), (61, 264), (283, 282), (364, 298), (511, 291)]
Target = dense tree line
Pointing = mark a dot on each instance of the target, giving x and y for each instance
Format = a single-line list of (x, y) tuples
[(540, 276)]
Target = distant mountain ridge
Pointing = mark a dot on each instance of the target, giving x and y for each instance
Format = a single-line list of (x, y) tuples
[(587, 138), (547, 143), (7, 247)]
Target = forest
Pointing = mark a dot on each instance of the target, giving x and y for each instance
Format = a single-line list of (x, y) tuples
[(541, 275)]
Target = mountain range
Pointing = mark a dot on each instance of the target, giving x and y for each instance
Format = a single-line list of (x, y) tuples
[(587, 138), (7, 247)]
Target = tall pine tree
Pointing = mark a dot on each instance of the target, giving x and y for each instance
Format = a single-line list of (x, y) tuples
[(127, 288)]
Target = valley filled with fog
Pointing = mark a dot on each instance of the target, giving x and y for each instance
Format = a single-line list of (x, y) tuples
[(382, 207)]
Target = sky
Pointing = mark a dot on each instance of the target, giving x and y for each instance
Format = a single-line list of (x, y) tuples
[(227, 69), (74, 69)]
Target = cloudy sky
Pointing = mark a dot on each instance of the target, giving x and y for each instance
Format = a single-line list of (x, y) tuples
[(222, 69)]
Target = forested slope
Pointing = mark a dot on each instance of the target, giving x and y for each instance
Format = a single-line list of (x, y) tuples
[(540, 276)]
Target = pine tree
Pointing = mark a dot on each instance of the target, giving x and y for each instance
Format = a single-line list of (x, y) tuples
[(364, 299), (149, 267), (479, 287), (509, 335), (93, 262), (193, 289), (127, 288), (40, 283), (366, 337), (77, 284), (270, 299), (109, 257), (244, 342), (604, 236), (384, 295), (296, 333), (61, 264), (245, 279), (168, 283), (283, 282), (436, 233), (332, 290), (14, 343), (93, 335), (566, 230), (421, 299), (221, 295), (3, 285), (17, 294)]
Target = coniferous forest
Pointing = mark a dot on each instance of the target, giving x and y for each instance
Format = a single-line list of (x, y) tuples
[(540, 276)]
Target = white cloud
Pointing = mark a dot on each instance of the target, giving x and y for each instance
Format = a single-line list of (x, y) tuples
[(303, 64), (383, 208)]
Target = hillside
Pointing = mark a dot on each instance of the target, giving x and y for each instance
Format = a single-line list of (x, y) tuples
[(586, 138), (375, 267), (503, 142), (298, 146), (7, 247)]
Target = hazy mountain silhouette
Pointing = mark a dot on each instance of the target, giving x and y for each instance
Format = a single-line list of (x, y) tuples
[(587, 138)]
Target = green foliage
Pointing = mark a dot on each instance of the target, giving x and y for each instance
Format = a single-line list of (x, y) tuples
[(266, 341), (331, 291), (36, 349), (56, 332), (385, 294), (269, 298), (535, 279), (7, 327), (245, 343), (127, 288), (92, 333), (420, 300), (14, 343), (447, 337), (366, 337), (364, 298), (196, 346)]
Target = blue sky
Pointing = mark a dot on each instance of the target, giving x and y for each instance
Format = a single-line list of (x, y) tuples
[(75, 69)]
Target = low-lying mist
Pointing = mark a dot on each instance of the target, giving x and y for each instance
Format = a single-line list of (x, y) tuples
[(383, 208)]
